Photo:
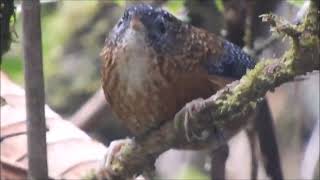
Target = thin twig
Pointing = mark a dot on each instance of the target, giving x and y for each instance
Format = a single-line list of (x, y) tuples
[(259, 48)]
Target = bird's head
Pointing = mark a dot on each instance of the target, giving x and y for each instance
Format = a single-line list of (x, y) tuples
[(151, 25)]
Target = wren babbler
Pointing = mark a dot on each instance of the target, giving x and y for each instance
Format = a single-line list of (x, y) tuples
[(153, 64)]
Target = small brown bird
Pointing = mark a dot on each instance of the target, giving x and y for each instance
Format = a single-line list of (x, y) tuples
[(153, 64)]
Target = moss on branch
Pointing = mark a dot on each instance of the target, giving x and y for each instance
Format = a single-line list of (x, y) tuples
[(227, 111)]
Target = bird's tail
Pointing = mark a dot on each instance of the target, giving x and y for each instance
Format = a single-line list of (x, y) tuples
[(268, 144)]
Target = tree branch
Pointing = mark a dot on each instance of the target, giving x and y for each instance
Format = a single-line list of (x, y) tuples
[(225, 113)]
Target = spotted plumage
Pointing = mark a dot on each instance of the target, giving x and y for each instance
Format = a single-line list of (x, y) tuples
[(153, 64)]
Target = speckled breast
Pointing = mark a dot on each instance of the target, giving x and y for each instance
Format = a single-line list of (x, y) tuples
[(145, 90), (135, 88)]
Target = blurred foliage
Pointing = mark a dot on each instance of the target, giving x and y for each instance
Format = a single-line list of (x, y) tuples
[(192, 173), (58, 25), (297, 3), (174, 6), (56, 29), (61, 67), (120, 2), (12, 63), (219, 5), (7, 15), (13, 67)]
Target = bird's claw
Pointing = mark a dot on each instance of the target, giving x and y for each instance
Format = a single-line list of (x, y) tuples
[(192, 107), (105, 169)]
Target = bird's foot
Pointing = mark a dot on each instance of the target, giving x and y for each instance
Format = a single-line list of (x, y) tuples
[(273, 67), (105, 170), (191, 108)]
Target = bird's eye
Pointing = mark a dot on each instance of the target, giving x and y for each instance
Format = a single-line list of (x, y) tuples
[(160, 25), (125, 15), (120, 22), (162, 28)]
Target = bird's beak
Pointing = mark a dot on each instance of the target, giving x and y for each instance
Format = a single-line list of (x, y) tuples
[(136, 23)]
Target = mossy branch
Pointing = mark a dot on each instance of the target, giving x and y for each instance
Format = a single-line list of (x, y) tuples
[(226, 112)]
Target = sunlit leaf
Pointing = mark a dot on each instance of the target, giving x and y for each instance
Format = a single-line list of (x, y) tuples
[(192, 173), (120, 2), (219, 5), (298, 3), (175, 6)]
